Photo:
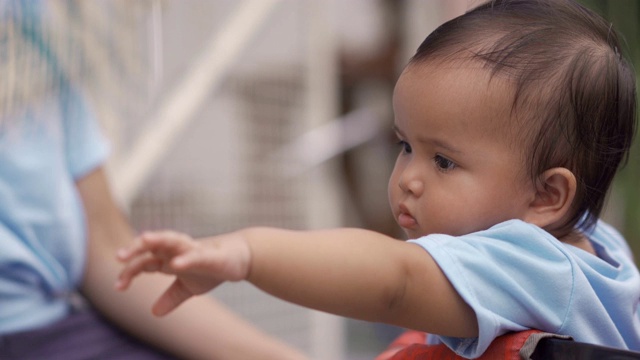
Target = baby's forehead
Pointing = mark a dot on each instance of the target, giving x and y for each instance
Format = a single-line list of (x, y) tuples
[(460, 101), (486, 97)]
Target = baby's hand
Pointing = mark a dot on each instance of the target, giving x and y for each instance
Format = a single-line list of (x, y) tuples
[(199, 265)]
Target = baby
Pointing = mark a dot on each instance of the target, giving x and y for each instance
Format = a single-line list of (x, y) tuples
[(512, 121)]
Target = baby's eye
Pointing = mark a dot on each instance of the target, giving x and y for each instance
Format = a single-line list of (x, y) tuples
[(406, 148), (443, 164)]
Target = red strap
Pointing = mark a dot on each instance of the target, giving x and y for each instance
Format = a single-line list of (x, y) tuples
[(410, 345), (403, 341)]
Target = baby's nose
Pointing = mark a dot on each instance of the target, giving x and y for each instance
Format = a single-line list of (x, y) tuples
[(412, 185)]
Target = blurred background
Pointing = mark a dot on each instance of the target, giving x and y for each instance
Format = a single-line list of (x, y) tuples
[(224, 114)]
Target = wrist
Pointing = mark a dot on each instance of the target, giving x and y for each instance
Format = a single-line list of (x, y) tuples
[(258, 241), (247, 238)]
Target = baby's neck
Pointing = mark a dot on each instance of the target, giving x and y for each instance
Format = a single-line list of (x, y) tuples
[(577, 239)]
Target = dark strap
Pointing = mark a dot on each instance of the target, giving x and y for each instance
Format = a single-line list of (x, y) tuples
[(80, 336)]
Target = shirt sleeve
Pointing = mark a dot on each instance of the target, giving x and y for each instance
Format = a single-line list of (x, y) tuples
[(515, 276), (85, 146)]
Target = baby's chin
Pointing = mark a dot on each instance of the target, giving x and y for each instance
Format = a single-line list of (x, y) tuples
[(413, 234), (418, 233)]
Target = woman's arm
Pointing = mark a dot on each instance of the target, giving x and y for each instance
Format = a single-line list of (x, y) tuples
[(349, 272), (202, 329)]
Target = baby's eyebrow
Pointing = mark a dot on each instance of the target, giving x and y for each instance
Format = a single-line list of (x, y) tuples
[(441, 144), (395, 128), (436, 142)]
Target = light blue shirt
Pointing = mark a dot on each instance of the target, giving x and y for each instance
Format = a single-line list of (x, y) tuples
[(517, 276), (43, 150)]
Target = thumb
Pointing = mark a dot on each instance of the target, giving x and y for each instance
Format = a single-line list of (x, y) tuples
[(175, 295)]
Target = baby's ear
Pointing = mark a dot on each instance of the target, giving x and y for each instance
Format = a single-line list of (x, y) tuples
[(555, 192)]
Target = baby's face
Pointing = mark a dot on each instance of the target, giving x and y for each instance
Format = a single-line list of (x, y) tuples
[(459, 169)]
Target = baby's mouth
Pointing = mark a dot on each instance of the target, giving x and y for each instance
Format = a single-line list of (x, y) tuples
[(405, 220)]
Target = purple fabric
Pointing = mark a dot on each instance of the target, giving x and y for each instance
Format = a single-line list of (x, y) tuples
[(82, 335)]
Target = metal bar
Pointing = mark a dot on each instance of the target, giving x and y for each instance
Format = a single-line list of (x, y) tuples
[(177, 111)]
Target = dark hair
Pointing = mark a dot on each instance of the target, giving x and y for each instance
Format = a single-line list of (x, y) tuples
[(574, 94)]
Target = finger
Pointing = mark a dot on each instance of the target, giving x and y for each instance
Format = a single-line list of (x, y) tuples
[(138, 246), (165, 234), (134, 249), (186, 261), (199, 261), (164, 243), (143, 263), (175, 295)]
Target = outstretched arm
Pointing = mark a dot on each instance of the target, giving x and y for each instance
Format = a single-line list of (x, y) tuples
[(349, 272), (202, 329)]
